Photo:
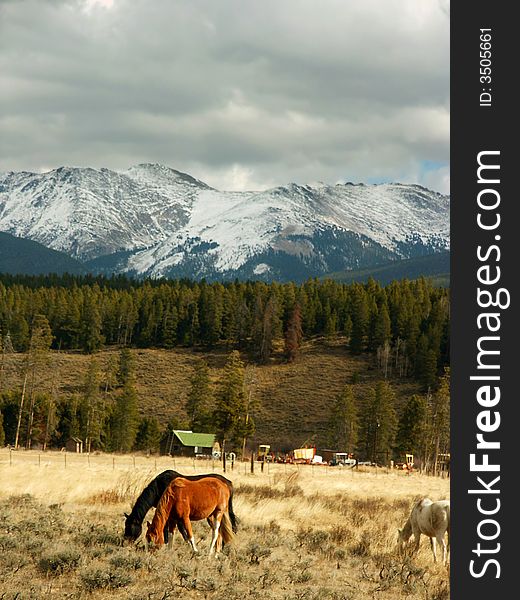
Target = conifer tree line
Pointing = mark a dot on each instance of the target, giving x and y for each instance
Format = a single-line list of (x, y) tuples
[(370, 427), (104, 414), (404, 325)]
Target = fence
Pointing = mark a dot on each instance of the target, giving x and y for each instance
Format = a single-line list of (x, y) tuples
[(126, 462)]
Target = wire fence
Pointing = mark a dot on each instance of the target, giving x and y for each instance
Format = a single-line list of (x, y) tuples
[(187, 465)]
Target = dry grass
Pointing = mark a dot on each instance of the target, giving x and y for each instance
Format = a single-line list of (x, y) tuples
[(304, 534)]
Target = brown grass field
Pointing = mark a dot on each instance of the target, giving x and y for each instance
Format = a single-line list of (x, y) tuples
[(305, 533)]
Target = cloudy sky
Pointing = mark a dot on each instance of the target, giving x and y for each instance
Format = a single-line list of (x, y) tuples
[(243, 94)]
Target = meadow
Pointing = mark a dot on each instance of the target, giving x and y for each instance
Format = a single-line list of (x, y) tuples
[(305, 533)]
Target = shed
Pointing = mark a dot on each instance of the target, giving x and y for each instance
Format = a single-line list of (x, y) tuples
[(188, 443), (74, 444)]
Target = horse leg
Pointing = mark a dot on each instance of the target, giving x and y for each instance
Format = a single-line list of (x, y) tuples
[(189, 532), (417, 540), (433, 544), (215, 525), (440, 539), (182, 530), (170, 538)]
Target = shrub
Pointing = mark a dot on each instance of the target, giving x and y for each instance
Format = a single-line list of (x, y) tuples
[(96, 577), (59, 561), (362, 547), (129, 561), (256, 550)]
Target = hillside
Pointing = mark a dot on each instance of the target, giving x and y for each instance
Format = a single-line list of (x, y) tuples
[(23, 256), (293, 399), (434, 266)]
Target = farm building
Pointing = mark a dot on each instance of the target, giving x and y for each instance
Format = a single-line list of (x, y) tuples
[(188, 443), (74, 444)]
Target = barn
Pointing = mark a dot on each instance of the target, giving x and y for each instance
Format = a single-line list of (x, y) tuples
[(188, 443)]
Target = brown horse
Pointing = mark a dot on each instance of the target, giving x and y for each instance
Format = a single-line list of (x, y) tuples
[(184, 501)]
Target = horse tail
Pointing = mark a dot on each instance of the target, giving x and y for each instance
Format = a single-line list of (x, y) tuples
[(226, 529), (449, 525), (232, 515)]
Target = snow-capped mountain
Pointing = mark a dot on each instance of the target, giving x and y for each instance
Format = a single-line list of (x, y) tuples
[(153, 220)]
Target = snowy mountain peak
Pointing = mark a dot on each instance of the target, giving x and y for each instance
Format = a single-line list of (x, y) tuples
[(154, 220)]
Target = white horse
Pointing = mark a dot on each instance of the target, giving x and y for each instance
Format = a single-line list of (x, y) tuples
[(431, 519)]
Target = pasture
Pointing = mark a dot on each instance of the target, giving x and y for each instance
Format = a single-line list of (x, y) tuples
[(305, 533)]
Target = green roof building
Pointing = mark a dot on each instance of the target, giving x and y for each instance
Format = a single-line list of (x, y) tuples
[(189, 443)]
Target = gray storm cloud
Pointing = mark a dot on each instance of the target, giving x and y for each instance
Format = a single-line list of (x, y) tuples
[(239, 93)]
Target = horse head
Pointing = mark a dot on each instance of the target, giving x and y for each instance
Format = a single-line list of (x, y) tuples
[(154, 537), (133, 529), (402, 538)]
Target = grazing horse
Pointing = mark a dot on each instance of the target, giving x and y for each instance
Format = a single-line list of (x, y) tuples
[(184, 501), (151, 495), (431, 519)]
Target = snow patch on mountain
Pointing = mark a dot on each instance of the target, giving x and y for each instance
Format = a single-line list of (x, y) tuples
[(168, 222)]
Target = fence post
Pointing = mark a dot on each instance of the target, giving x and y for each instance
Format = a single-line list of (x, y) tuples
[(65, 458), (10, 457), (133, 457), (252, 462), (39, 460), (113, 463)]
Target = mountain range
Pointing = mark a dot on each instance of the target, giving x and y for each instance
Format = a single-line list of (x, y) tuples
[(151, 220)]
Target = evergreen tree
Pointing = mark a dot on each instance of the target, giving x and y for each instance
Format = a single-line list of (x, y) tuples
[(382, 329), (425, 363), (9, 403), (293, 334), (148, 435), (90, 326), (440, 418), (230, 406), (92, 408), (20, 333), (194, 325), (36, 358), (246, 426), (344, 421), (125, 420), (380, 423), (200, 399), (359, 320), (169, 331), (266, 324), (347, 327), (68, 421), (125, 372), (6, 346), (411, 434)]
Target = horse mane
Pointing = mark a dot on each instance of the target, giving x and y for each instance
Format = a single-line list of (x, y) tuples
[(162, 512), (419, 501), (151, 495)]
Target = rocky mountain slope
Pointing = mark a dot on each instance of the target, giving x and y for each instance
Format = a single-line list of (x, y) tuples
[(155, 221)]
